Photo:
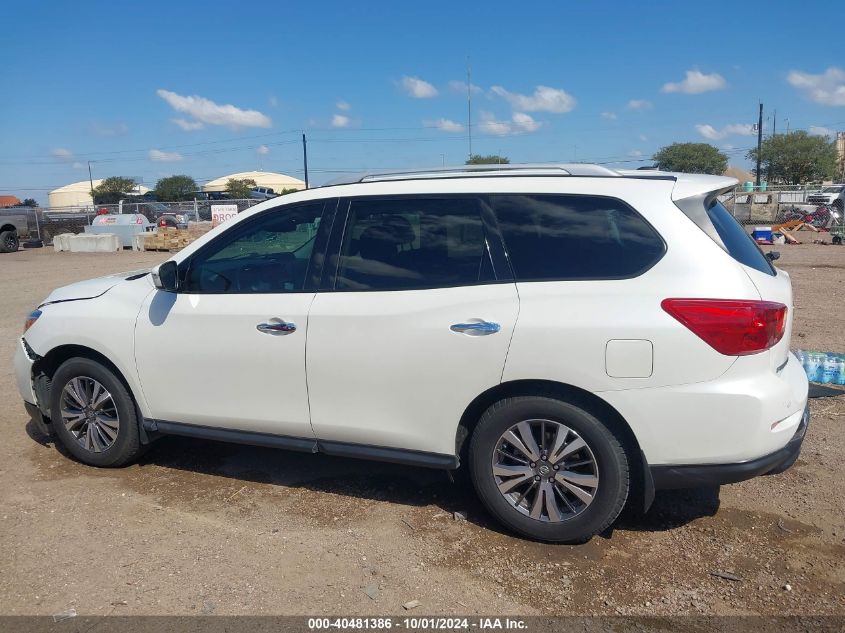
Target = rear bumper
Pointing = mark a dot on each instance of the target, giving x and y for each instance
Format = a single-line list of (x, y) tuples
[(701, 475)]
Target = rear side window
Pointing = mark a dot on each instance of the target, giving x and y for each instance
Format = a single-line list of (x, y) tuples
[(568, 237), (407, 243), (738, 243)]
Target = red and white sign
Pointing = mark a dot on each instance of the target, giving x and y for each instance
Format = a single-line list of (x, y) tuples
[(222, 212)]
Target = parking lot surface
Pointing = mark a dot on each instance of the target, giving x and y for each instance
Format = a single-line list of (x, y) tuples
[(200, 527)]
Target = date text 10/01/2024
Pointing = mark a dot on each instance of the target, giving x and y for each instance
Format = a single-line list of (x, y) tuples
[(417, 623)]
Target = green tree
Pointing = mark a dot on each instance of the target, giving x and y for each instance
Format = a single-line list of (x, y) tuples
[(112, 189), (490, 159), (239, 188), (691, 158), (175, 188), (30, 202), (796, 158)]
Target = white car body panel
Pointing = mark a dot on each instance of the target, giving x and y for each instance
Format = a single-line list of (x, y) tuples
[(385, 369), (202, 361)]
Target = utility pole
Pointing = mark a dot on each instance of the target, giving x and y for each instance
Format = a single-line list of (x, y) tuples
[(469, 107), (774, 132), (759, 142), (305, 159), (91, 182)]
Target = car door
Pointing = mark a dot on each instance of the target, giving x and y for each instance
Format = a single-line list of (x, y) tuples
[(412, 322), (228, 348)]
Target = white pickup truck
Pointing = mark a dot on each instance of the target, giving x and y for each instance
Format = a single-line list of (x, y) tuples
[(831, 195), (13, 226)]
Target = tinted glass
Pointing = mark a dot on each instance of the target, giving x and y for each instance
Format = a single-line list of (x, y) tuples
[(407, 243), (738, 243), (557, 237), (267, 254)]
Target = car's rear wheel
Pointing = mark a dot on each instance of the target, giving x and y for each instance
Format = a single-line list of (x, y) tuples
[(93, 414), (548, 469), (9, 242)]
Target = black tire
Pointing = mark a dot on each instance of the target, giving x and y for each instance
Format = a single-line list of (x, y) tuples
[(837, 240), (610, 458), (9, 242), (126, 447)]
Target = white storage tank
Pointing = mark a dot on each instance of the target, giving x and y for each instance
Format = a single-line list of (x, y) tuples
[(124, 226)]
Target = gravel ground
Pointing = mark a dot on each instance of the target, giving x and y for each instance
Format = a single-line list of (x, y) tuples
[(207, 528)]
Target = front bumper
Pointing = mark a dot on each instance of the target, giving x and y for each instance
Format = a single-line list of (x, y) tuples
[(701, 475), (23, 372)]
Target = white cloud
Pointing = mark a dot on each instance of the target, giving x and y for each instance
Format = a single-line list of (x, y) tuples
[(610, 116), (635, 153), (544, 99), (343, 106), (639, 104), (262, 150), (519, 123), (164, 157), (273, 101), (739, 129), (727, 146), (188, 126), (418, 88), (447, 125), (695, 83), (339, 120), (63, 154), (461, 87), (211, 113), (825, 89), (77, 165), (817, 130)]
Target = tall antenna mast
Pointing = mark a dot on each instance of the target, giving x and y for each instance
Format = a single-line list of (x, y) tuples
[(469, 106)]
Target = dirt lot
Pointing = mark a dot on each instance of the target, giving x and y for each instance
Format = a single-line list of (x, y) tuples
[(202, 528)]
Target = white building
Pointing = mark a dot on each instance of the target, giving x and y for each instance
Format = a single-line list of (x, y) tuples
[(277, 182), (78, 194)]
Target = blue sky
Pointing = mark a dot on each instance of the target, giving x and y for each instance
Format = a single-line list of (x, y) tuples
[(210, 88)]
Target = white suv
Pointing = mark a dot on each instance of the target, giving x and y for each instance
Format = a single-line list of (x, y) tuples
[(572, 335)]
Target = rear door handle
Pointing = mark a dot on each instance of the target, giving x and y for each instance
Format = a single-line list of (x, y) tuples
[(476, 328), (276, 326)]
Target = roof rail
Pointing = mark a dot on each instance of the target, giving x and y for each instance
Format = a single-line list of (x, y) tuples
[(476, 171)]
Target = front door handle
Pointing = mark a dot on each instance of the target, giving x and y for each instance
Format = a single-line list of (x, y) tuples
[(476, 328), (276, 326)]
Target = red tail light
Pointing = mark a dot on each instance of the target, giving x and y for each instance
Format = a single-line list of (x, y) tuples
[(733, 328)]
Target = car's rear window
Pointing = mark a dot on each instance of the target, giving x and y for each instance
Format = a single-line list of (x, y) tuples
[(573, 237), (738, 243)]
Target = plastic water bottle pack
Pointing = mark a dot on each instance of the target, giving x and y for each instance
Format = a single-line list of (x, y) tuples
[(823, 367)]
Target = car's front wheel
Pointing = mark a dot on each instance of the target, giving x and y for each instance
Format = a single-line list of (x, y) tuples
[(93, 414), (9, 242), (548, 469)]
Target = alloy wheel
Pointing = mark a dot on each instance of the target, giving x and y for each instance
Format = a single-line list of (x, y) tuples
[(89, 414), (545, 470)]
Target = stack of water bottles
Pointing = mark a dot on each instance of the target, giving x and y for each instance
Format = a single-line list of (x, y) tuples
[(823, 367)]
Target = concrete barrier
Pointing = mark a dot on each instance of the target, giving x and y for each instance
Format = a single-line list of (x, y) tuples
[(87, 243)]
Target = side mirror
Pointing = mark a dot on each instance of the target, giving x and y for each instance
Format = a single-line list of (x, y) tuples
[(773, 255), (165, 277)]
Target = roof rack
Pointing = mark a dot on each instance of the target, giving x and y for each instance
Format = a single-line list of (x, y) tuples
[(477, 171)]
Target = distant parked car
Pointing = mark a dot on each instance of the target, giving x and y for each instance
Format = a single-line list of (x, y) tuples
[(262, 193)]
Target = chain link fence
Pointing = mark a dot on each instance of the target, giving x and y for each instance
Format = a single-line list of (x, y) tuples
[(778, 204), (45, 223)]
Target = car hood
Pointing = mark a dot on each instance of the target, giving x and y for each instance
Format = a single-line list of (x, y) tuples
[(91, 288)]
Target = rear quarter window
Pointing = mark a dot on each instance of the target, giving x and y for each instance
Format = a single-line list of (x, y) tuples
[(738, 243), (571, 237)]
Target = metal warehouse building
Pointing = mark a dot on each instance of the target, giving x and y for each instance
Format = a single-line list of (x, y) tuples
[(277, 182)]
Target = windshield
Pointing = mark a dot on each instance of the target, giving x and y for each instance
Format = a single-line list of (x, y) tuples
[(834, 189)]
